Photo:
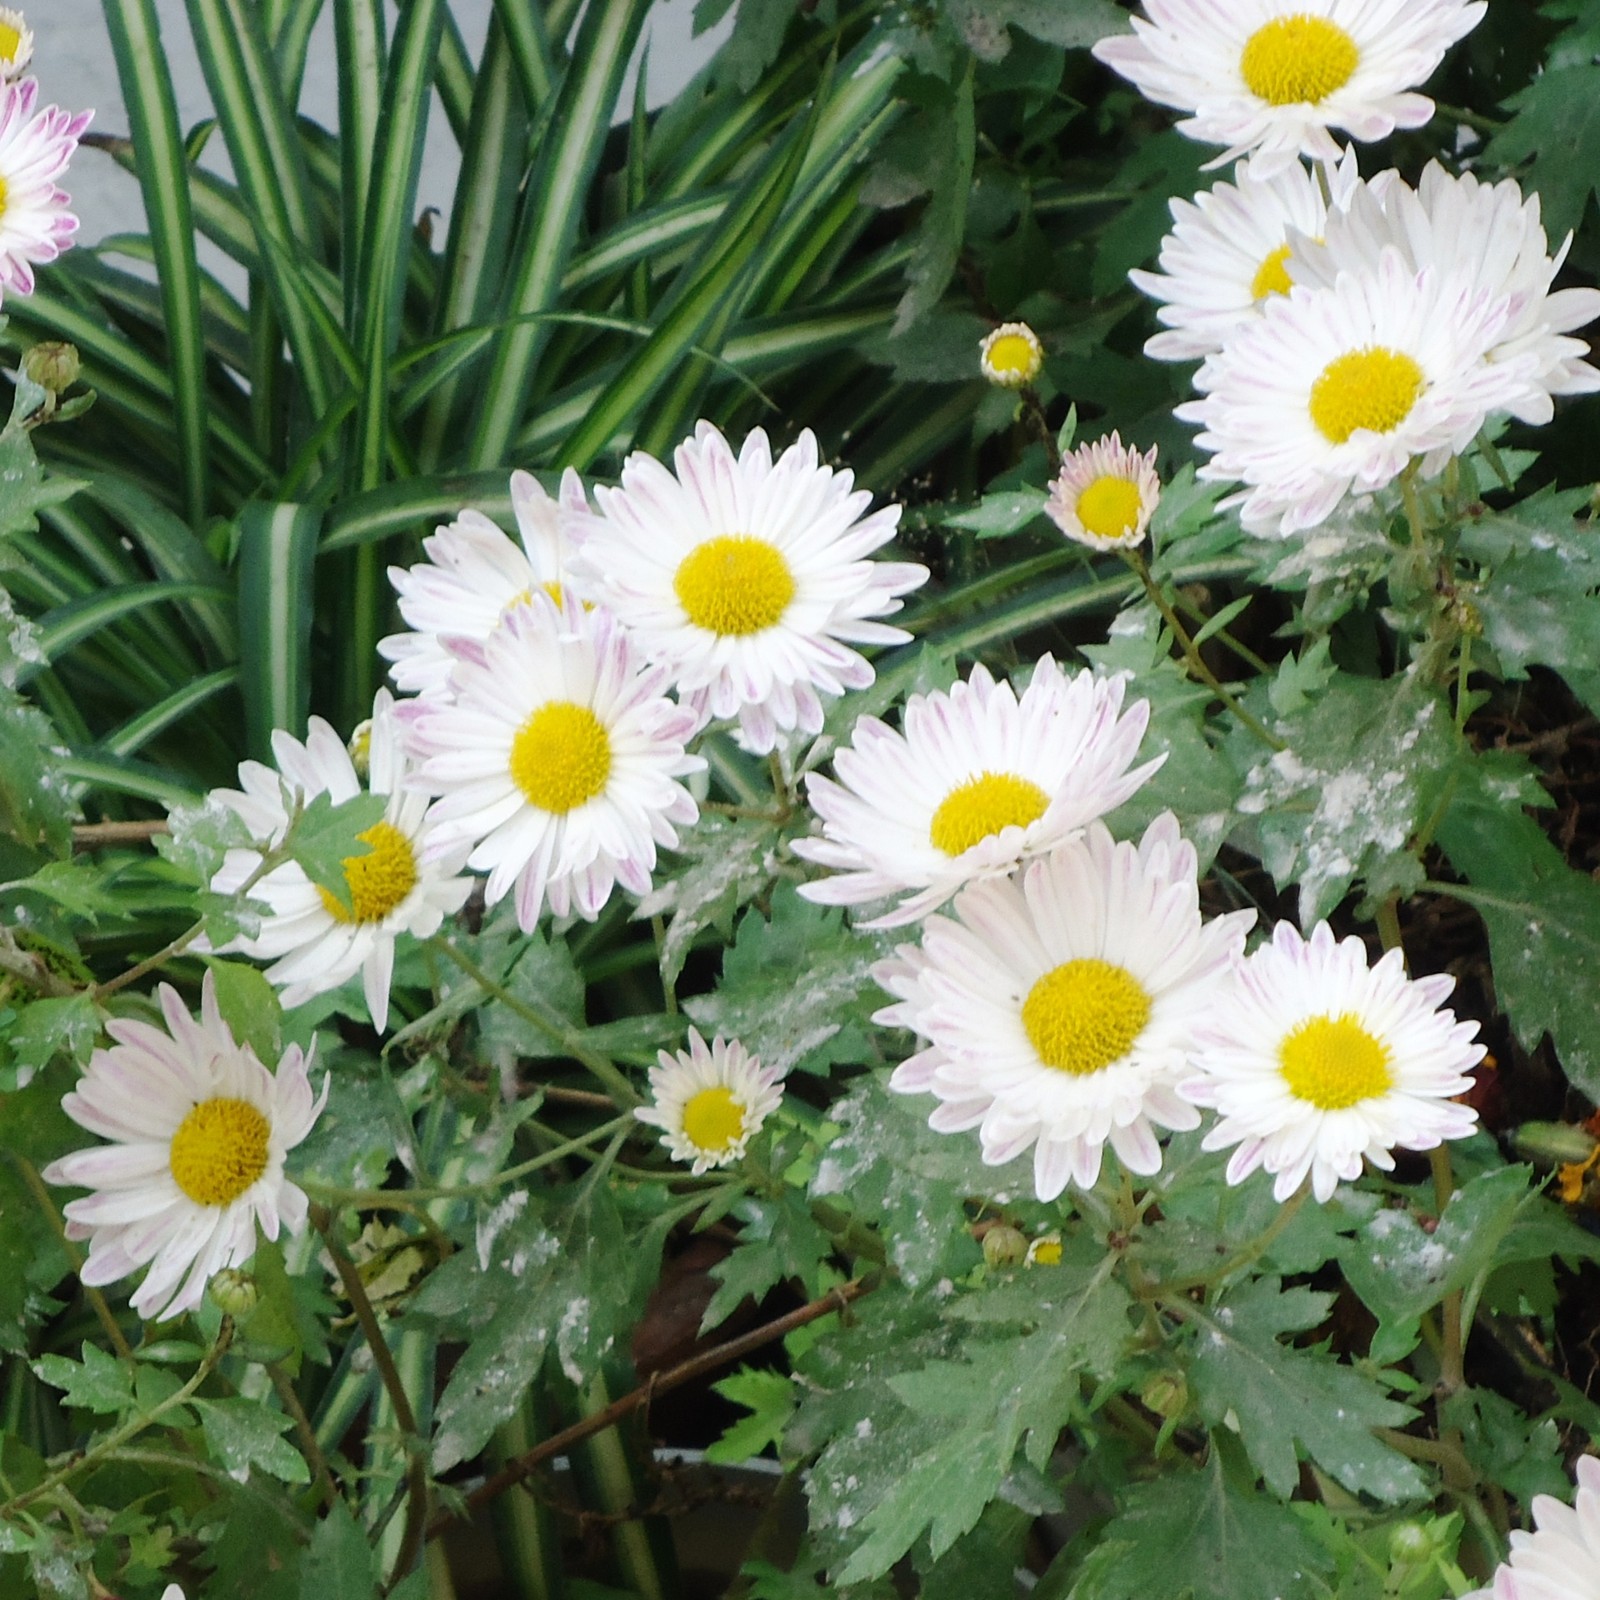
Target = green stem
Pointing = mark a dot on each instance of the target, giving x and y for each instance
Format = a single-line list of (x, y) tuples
[(1413, 505), (617, 1084), (129, 1430), (1197, 667), (1388, 920), (304, 1432), (1463, 673), (1453, 1349), (1223, 636)]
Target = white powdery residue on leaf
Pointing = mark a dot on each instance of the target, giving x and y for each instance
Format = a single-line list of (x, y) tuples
[(532, 1254), (571, 1340), (493, 1222)]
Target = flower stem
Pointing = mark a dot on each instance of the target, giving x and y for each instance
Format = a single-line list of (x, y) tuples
[(1196, 664)]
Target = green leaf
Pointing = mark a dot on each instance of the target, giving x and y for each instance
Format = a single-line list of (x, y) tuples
[(325, 835), (339, 1564), (250, 1007), (939, 237), (895, 1171), (1556, 131), (1006, 512), (277, 556), (77, 886), (1542, 916), (1535, 614), (1204, 1535), (1283, 1397), (45, 1029), (796, 989), (770, 1399), (98, 1383), (542, 972), (1508, 1447), (1072, 24), (242, 1434), (779, 1240)]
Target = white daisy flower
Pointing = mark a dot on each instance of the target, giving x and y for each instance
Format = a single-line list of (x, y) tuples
[(1333, 392), (475, 573), (1229, 251), (1561, 1560), (1316, 1062), (16, 43), (710, 1101), (1011, 356), (1105, 494), (1491, 237), (1277, 75), (400, 885), (749, 578), (978, 780), (200, 1130), (35, 225), (1058, 1006), (557, 755)]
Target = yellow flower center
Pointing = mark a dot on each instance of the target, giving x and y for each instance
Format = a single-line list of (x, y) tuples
[(219, 1150), (5, 195), (378, 881), (1045, 1251), (983, 806), (561, 757), (10, 42), (1298, 60), (1013, 357), (1109, 507), (1083, 1015), (1334, 1063), (713, 1119), (1371, 388), (734, 585), (524, 597), (1272, 276)]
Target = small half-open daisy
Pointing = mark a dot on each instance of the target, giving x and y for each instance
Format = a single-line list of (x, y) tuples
[(556, 755), (1333, 392), (400, 885), (978, 780), (1229, 250), (1316, 1062), (1011, 355), (710, 1101), (475, 573), (749, 577), (1560, 1560), (16, 44), (35, 147), (1276, 75), (1105, 494), (1487, 234), (199, 1130), (1058, 1006)]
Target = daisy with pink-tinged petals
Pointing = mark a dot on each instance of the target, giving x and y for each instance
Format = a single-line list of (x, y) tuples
[(556, 756), (35, 224), (1561, 1559), (749, 578), (475, 573), (199, 1130), (16, 44), (1058, 1005), (1317, 1063), (710, 1101), (980, 779), (1105, 494)]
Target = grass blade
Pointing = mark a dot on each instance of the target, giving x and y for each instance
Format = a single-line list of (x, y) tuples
[(397, 507), (163, 168), (360, 46), (277, 554)]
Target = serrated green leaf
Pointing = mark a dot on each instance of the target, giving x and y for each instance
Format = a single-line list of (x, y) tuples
[(996, 515), (779, 1240), (770, 1399), (244, 1434), (327, 834), (1556, 131), (98, 1383), (340, 1563), (1283, 1397)]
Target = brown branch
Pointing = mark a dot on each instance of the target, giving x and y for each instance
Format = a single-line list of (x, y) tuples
[(107, 835), (523, 1466)]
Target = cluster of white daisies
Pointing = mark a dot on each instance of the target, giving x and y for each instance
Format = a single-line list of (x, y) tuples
[(35, 147), (1349, 329)]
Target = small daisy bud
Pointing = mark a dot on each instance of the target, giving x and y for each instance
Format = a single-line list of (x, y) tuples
[(1045, 1251), (360, 748), (53, 365), (16, 45), (1011, 356), (1166, 1394), (1105, 495), (1410, 1544), (1003, 1246), (234, 1293), (1468, 618)]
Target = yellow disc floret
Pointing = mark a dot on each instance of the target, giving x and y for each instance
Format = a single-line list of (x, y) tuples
[(10, 39), (219, 1150), (5, 195), (1083, 1015), (1298, 60), (713, 1119), (734, 585), (378, 881), (982, 806), (1272, 276), (1333, 1063), (561, 757), (1012, 355), (1373, 388), (1109, 508)]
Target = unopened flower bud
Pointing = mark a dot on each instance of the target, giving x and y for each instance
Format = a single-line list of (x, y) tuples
[(1166, 1394), (1003, 1246), (234, 1293), (1011, 356), (1045, 1251), (1410, 1545), (360, 748), (53, 365)]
